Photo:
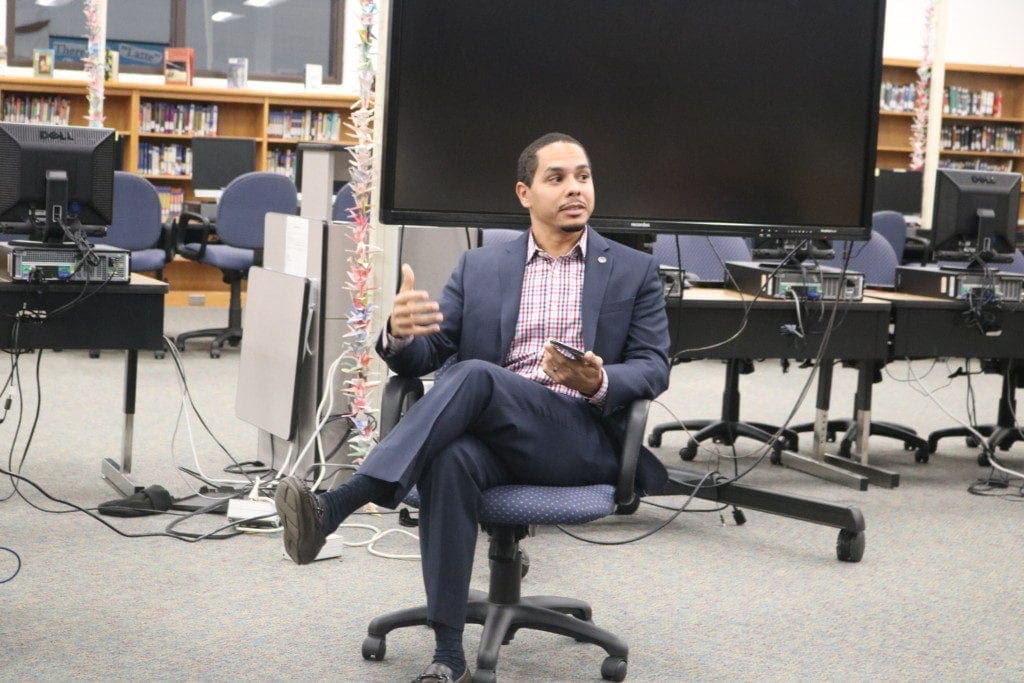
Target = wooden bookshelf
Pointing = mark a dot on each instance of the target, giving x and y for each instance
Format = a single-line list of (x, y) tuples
[(894, 127), (241, 113)]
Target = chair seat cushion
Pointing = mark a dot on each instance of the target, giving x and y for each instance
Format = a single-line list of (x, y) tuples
[(525, 504), (148, 259), (225, 257)]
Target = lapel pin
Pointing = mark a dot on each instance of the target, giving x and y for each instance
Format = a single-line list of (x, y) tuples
[(601, 259)]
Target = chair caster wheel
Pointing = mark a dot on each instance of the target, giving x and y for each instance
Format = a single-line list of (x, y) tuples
[(850, 545), (94, 353), (972, 442), (374, 648), (159, 355), (654, 440), (214, 353), (484, 676), (613, 669), (628, 508), (922, 454), (739, 517), (776, 456), (689, 451), (983, 460), (180, 345)]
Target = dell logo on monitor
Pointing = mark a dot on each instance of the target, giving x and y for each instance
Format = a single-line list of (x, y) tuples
[(54, 135), (982, 179)]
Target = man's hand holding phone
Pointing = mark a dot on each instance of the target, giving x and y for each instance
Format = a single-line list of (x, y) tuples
[(414, 313), (576, 369)]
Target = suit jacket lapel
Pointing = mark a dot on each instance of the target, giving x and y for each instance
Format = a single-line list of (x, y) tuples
[(511, 268), (595, 281)]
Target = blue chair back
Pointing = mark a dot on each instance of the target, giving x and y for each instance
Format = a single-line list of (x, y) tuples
[(893, 227), (344, 200), (136, 223), (700, 255), (246, 201), (490, 236), (875, 258)]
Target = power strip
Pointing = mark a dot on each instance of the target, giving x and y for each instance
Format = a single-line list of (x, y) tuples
[(243, 509)]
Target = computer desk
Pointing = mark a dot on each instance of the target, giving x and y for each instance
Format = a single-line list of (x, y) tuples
[(703, 317), (128, 316), (932, 327)]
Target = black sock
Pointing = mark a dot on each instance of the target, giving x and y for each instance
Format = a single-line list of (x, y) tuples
[(448, 648), (341, 502)]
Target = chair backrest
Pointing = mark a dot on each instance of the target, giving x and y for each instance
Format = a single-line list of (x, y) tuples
[(893, 227), (245, 203), (498, 236), (136, 223), (344, 200), (700, 255), (875, 258)]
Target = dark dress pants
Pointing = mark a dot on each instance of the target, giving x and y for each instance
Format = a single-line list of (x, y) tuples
[(482, 426)]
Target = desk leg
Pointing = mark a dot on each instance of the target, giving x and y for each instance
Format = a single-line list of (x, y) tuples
[(862, 430), (849, 520), (118, 474)]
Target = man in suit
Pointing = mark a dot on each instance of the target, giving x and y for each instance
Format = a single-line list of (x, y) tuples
[(506, 407)]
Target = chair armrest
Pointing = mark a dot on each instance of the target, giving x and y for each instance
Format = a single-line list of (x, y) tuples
[(629, 456), (919, 247), (399, 395), (180, 228), (166, 241)]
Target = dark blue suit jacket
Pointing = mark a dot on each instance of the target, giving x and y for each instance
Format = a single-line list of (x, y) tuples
[(624, 323)]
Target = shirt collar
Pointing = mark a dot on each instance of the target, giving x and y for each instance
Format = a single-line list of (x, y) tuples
[(532, 248)]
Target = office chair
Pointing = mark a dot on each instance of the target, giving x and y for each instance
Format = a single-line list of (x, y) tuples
[(506, 513), (877, 260), (1004, 433), (344, 200), (893, 227), (240, 213), (137, 227), (490, 236), (703, 259)]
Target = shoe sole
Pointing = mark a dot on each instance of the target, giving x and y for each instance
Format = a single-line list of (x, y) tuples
[(302, 537)]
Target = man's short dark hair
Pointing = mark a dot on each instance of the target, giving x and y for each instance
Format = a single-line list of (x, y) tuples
[(527, 166)]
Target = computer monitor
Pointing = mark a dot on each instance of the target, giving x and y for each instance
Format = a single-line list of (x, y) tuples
[(216, 161), (55, 180), (975, 216), (898, 190)]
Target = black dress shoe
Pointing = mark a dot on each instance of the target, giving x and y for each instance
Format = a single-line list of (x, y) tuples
[(439, 673), (302, 519)]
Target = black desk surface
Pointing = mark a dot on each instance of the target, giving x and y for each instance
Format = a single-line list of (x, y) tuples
[(706, 316), (931, 327), (116, 316)]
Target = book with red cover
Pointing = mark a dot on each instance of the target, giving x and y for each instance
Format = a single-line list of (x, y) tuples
[(179, 64)]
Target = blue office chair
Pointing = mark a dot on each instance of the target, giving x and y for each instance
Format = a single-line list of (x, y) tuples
[(703, 258), (344, 200), (506, 513), (137, 226), (490, 236), (240, 215), (877, 260), (893, 227)]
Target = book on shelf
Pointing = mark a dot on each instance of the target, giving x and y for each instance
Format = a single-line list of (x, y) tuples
[(42, 62), (179, 65), (112, 68), (172, 200), (238, 72)]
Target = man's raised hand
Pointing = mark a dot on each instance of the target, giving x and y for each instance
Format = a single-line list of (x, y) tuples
[(414, 313)]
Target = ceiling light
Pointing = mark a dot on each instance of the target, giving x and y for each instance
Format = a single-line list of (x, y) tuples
[(53, 3), (224, 16), (262, 3)]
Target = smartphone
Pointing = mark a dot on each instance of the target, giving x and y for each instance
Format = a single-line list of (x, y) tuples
[(569, 351)]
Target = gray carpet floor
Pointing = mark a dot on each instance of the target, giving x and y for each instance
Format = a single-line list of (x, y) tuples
[(937, 595)]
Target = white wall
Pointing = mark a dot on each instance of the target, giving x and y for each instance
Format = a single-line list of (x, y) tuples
[(977, 31)]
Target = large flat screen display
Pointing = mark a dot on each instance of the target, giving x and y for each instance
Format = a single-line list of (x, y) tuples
[(744, 117)]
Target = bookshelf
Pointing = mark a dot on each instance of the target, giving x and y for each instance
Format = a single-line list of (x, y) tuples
[(158, 122), (160, 151), (982, 120)]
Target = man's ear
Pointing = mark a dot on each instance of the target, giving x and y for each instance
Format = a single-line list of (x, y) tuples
[(523, 192)]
